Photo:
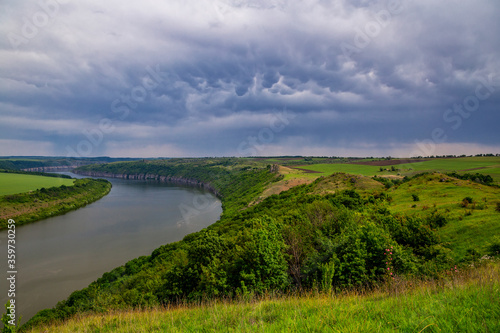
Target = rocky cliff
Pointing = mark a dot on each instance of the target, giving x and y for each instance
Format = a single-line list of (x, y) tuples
[(147, 176)]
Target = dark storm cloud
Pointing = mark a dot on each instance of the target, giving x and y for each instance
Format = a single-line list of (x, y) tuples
[(186, 78)]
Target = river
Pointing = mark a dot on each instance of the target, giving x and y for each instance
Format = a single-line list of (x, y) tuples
[(59, 255)]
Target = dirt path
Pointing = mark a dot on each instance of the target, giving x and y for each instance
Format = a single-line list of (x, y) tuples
[(305, 170)]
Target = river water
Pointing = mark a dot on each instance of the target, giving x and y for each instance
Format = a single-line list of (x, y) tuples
[(62, 254)]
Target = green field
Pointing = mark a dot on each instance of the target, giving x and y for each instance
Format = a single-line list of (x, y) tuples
[(11, 183), (461, 165), (328, 169), (484, 165)]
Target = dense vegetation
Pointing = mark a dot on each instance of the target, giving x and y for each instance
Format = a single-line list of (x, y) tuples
[(477, 177), (464, 301), (303, 238), (45, 202)]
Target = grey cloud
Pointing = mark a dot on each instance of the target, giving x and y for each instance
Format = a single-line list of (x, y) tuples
[(224, 60)]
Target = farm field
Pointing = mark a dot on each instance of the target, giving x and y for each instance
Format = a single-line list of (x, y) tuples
[(11, 183), (483, 165), (328, 169), (463, 164)]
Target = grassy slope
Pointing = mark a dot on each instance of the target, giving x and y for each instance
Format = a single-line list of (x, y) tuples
[(471, 227), (11, 183), (467, 301)]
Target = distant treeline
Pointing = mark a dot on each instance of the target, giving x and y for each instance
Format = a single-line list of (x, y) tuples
[(45, 174), (20, 163), (297, 239)]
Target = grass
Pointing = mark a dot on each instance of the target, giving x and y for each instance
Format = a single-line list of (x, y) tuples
[(328, 169), (454, 164), (464, 300), (484, 165), (470, 227), (11, 183)]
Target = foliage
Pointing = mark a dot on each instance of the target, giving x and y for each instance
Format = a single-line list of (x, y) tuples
[(459, 301), (8, 327), (388, 183), (477, 177)]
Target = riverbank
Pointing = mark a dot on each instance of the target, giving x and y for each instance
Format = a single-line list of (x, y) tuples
[(47, 202)]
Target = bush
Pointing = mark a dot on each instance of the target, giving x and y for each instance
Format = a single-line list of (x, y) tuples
[(466, 202), (494, 247), (436, 220), (415, 197)]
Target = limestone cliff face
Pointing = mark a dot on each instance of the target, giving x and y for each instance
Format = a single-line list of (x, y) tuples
[(148, 176), (60, 168)]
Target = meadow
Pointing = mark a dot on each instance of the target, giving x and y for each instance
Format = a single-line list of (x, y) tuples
[(13, 183)]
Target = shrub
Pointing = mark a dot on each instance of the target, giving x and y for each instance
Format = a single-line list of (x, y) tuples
[(415, 197), (436, 220), (466, 201), (494, 247)]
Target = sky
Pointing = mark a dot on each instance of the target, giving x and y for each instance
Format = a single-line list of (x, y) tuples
[(185, 78)]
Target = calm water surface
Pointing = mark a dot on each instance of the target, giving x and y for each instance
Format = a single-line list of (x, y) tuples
[(62, 254)]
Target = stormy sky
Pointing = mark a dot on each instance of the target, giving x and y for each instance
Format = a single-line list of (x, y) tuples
[(181, 78)]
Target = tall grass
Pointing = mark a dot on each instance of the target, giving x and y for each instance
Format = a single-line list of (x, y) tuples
[(461, 301)]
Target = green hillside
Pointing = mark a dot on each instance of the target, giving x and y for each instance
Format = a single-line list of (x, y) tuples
[(331, 235)]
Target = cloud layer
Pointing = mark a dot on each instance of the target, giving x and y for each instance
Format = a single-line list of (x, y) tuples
[(238, 78)]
